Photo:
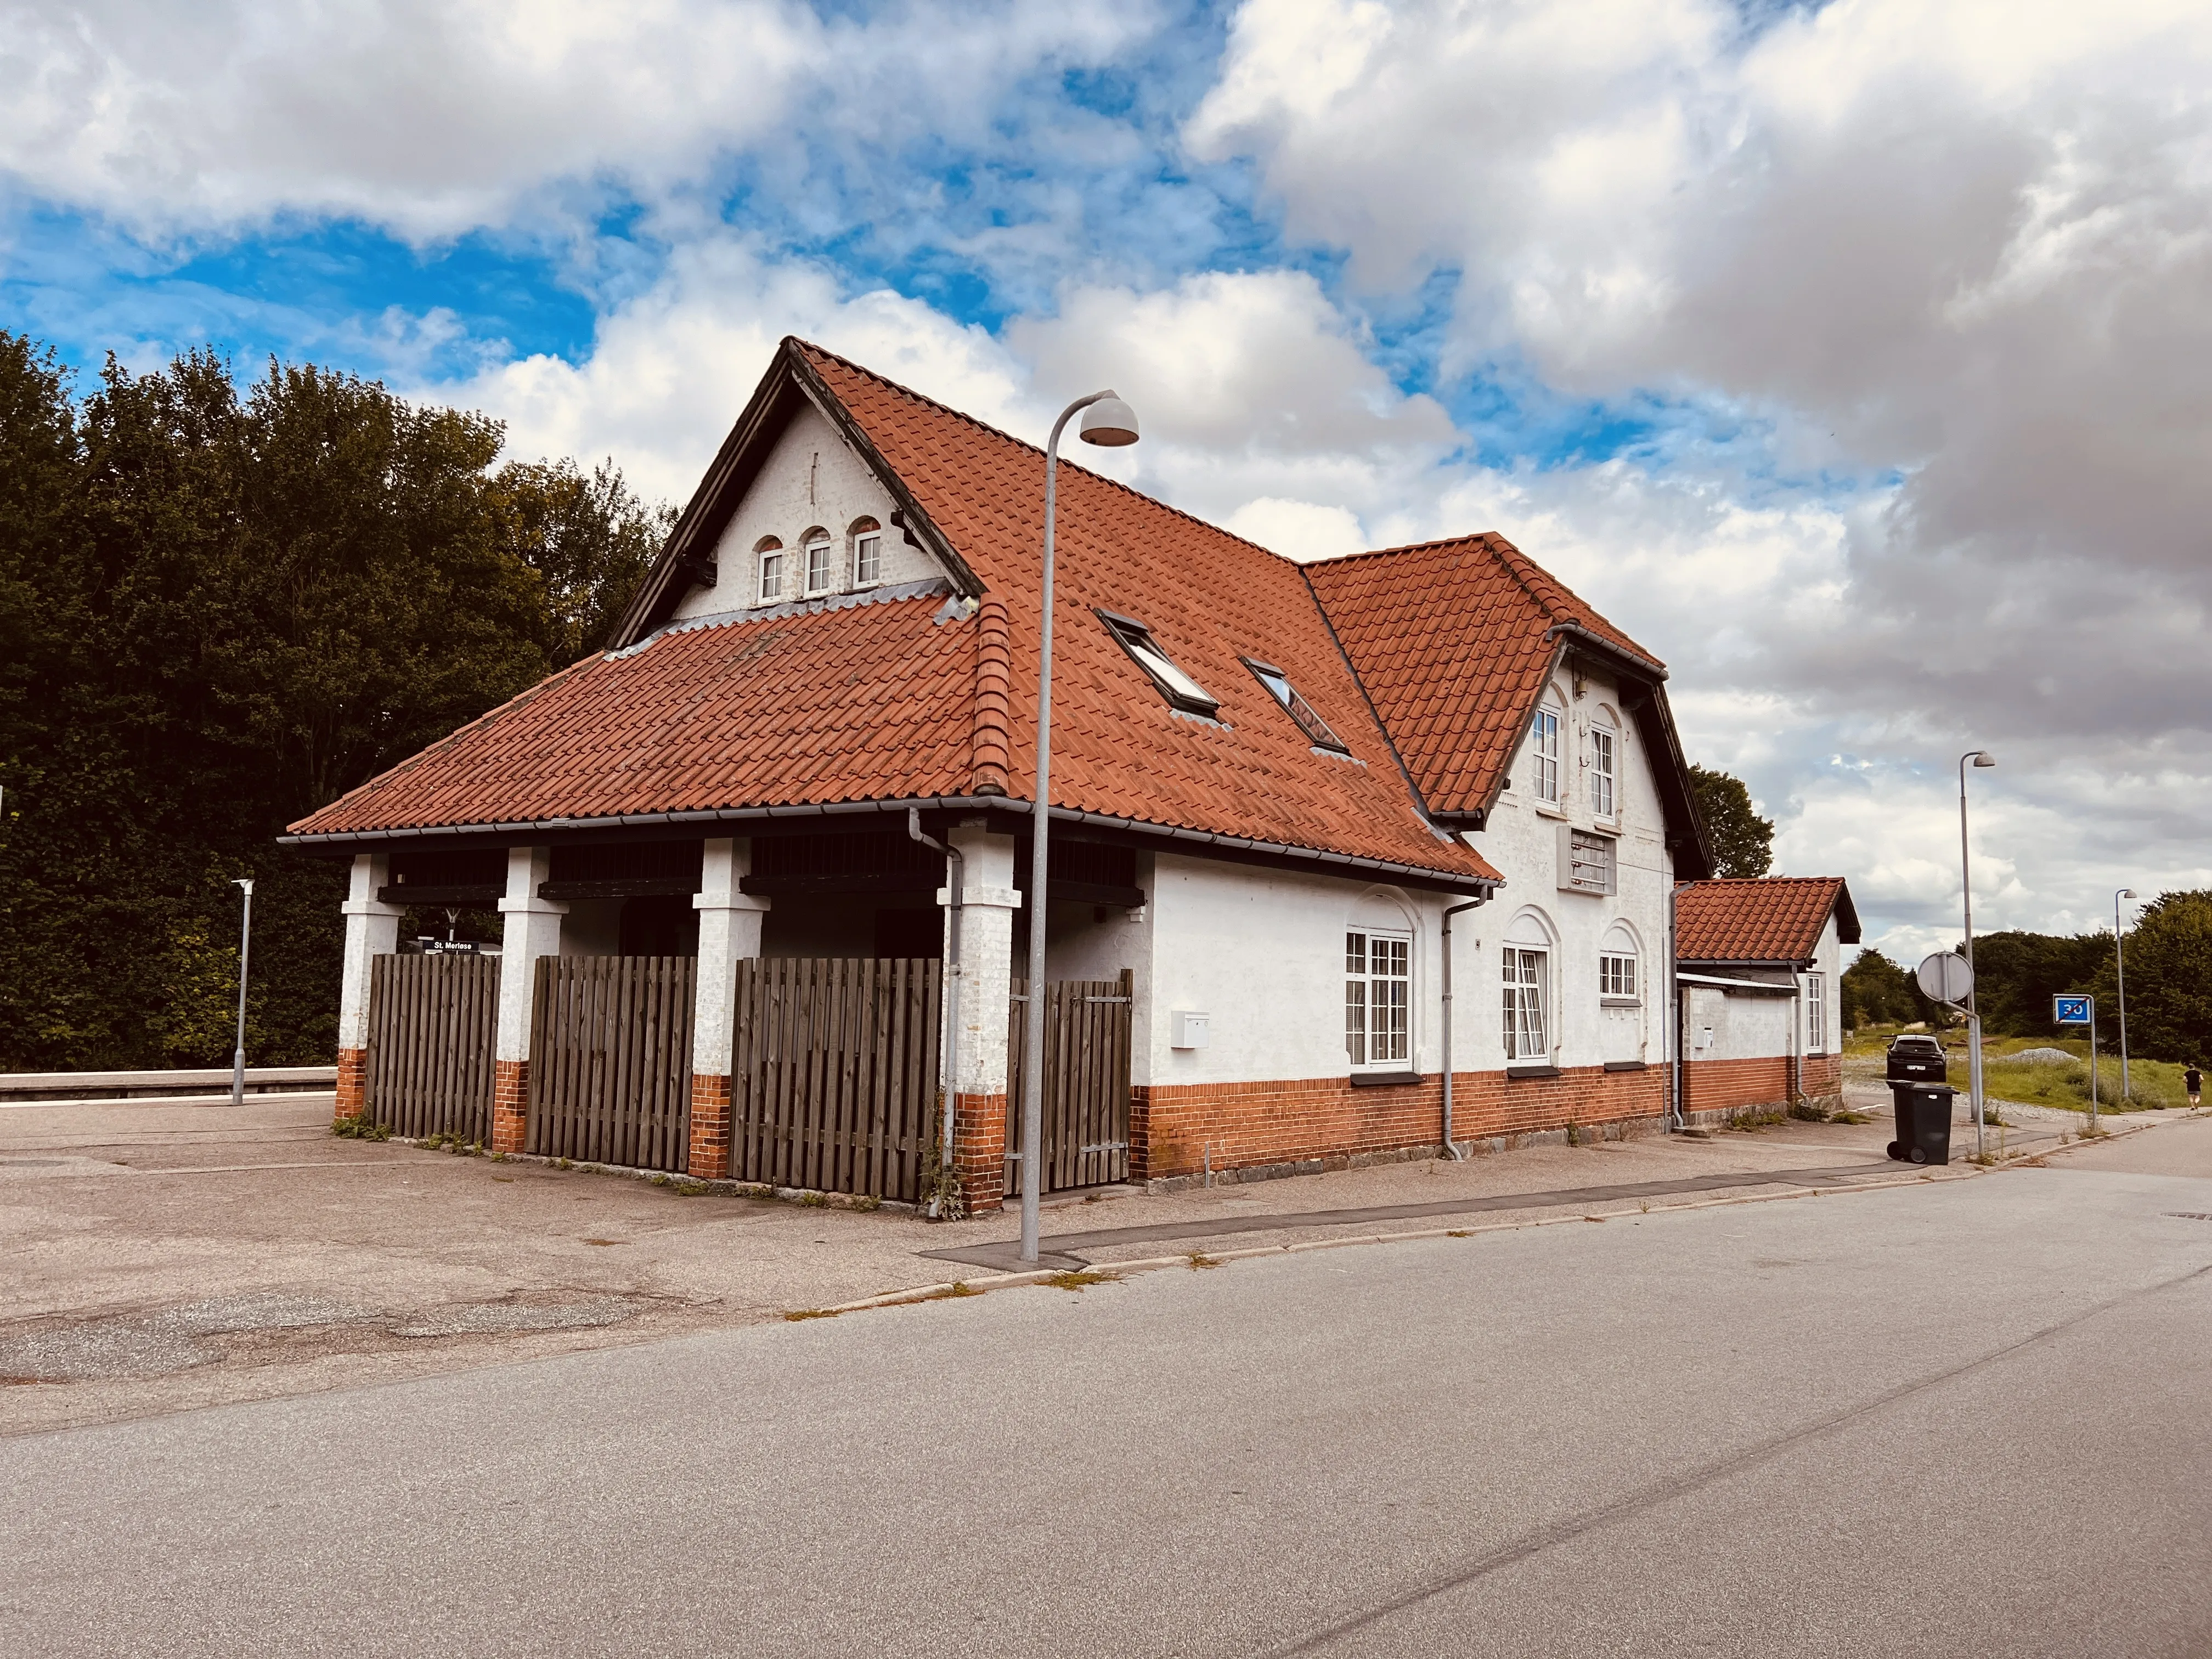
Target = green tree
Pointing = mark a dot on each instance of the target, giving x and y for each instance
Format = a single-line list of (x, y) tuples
[(2017, 974), (221, 608), (590, 541), (1742, 841), (1875, 991), (2169, 979)]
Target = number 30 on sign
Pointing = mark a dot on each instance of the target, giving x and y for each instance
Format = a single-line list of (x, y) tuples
[(2071, 1011)]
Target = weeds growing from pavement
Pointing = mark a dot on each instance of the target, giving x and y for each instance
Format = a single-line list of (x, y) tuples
[(360, 1128), (1077, 1281), (1198, 1258)]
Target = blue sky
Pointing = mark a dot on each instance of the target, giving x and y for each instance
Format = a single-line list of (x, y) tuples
[(1837, 352)]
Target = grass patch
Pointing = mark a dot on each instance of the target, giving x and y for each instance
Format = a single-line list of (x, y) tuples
[(1850, 1118), (867, 1202), (1459, 1232), (946, 1292), (1197, 1259), (814, 1201), (360, 1128), (1083, 1278), (797, 1313), (1806, 1112), (690, 1189)]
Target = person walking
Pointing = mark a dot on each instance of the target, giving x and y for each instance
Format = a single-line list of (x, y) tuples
[(2193, 1080)]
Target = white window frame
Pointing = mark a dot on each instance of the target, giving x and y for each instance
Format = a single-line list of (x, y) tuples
[(1544, 755), (867, 557), (1389, 994), (769, 563), (1526, 972), (1816, 1016), (1604, 776), (1617, 978), (815, 552)]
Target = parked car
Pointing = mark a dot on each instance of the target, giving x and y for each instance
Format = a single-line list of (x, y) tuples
[(1915, 1057)]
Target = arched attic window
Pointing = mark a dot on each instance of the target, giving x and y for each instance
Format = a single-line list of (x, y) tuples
[(768, 554), (867, 552), (821, 576)]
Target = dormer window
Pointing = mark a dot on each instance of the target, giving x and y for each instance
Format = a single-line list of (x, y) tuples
[(1181, 690), (819, 576), (770, 554), (1280, 689), (867, 553)]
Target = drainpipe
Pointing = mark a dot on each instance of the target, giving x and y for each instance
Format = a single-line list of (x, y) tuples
[(956, 884), (1674, 1123), (1451, 1148), (1796, 1037)]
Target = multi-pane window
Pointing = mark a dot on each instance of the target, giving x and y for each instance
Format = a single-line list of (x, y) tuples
[(867, 558), (1377, 998), (1524, 1005), (771, 570), (817, 564), (1601, 772), (1616, 976), (1544, 755), (1816, 1017)]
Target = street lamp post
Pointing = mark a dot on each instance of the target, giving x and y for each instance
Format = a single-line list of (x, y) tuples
[(2120, 971), (1109, 421), (245, 943), (1979, 757)]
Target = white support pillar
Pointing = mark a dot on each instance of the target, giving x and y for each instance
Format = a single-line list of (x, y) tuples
[(730, 924), (533, 930), (372, 930), (980, 1010)]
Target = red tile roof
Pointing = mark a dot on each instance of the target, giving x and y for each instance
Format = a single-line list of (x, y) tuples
[(1453, 642), (1773, 918), (880, 701)]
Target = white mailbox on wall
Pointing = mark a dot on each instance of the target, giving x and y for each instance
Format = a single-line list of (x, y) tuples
[(1188, 1029)]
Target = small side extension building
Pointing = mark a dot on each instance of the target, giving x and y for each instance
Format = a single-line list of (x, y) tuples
[(1758, 963), (764, 861)]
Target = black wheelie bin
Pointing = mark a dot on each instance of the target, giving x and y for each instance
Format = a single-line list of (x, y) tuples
[(1923, 1121)]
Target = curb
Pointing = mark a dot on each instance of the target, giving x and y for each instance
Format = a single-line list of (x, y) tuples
[(1965, 1172)]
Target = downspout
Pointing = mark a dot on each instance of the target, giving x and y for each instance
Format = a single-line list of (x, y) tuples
[(948, 1070), (1674, 1121), (1796, 1038), (1451, 1148)]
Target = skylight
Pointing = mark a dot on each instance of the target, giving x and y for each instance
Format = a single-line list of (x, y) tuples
[(1279, 687), (1178, 687)]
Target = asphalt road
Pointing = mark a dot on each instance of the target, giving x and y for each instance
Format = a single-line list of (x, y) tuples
[(1959, 1417)]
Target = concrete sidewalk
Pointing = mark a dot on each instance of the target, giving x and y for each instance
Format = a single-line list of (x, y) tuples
[(156, 1256)]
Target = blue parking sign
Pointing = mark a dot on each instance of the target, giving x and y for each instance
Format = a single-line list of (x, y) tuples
[(2071, 1011)]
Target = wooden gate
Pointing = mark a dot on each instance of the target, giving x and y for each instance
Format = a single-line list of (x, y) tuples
[(610, 1059), (834, 1080), (1086, 1082), (432, 1024)]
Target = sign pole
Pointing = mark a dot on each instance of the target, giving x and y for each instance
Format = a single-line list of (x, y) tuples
[(2093, 1064)]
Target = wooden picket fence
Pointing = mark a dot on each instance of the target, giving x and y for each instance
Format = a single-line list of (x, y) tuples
[(431, 1021), (833, 1085), (610, 1059), (1086, 1082)]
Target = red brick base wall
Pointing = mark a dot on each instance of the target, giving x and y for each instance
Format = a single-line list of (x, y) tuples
[(1172, 1127), (352, 1083), (709, 1157), (1758, 1084), (979, 1151), (510, 1104)]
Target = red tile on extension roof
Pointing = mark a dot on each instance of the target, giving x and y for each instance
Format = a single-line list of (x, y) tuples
[(1773, 919)]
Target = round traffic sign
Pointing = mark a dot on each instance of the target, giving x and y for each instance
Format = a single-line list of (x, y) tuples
[(1946, 977)]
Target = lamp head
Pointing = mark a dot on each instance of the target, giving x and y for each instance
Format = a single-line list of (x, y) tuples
[(1109, 422), (2127, 892), (246, 882), (1982, 757)]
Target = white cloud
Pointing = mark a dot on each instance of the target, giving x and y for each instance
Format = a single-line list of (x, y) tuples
[(431, 117)]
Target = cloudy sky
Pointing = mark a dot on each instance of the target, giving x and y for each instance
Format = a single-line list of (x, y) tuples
[(1856, 358)]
